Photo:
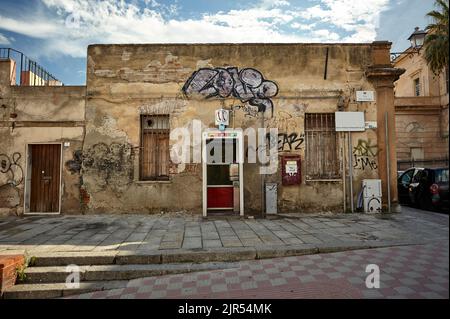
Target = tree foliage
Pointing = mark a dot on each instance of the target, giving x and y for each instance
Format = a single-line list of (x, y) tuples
[(436, 41)]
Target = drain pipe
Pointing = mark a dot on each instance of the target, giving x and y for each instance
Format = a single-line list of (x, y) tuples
[(344, 175), (350, 169), (263, 176), (388, 168)]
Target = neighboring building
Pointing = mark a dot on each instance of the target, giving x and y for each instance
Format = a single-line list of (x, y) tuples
[(421, 108), (114, 145)]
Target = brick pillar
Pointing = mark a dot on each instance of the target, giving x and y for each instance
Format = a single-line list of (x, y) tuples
[(8, 270), (383, 75)]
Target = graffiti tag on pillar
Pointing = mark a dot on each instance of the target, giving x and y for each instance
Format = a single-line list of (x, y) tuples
[(364, 155), (248, 85), (365, 148), (363, 162)]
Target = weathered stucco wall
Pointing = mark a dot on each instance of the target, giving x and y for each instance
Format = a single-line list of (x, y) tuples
[(125, 81), (37, 115)]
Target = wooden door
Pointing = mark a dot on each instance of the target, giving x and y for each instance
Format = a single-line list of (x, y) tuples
[(45, 178)]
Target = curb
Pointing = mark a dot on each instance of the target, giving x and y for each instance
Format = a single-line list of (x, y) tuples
[(199, 256)]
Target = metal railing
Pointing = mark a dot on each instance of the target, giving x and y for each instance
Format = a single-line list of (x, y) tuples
[(27, 71)]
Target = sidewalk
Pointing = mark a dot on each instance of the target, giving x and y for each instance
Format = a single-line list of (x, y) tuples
[(419, 271), (178, 233)]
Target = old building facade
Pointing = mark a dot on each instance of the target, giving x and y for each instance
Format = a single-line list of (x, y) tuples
[(421, 104), (138, 137)]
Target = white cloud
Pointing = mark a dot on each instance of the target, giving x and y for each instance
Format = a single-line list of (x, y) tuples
[(68, 26), (274, 3), (34, 28), (326, 35), (4, 40), (360, 17), (301, 26)]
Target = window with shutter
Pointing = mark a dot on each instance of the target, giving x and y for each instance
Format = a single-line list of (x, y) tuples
[(320, 146), (154, 149)]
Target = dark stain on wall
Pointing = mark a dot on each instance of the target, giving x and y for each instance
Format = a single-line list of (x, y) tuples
[(74, 165), (111, 164)]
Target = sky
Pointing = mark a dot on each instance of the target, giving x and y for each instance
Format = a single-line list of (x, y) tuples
[(56, 33)]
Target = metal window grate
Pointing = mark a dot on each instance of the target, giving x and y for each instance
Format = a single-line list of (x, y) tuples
[(154, 155), (320, 147)]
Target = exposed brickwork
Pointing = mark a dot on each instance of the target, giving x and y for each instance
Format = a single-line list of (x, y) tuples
[(8, 270)]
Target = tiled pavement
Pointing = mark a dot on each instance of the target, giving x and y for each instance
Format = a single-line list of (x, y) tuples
[(161, 232), (417, 271)]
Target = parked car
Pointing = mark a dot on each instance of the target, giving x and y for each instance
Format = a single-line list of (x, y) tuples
[(429, 189), (403, 182)]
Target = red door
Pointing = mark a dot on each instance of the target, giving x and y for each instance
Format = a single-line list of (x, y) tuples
[(219, 187), (220, 197)]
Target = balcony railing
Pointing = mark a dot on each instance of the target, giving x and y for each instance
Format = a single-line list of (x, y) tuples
[(28, 72)]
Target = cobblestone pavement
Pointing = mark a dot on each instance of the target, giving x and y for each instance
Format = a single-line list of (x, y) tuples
[(159, 232), (419, 271)]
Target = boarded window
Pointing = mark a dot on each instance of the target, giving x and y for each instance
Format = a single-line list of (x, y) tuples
[(154, 157), (321, 151)]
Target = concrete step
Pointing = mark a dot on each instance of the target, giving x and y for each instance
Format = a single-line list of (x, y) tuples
[(231, 254), (58, 290), (58, 274), (143, 257)]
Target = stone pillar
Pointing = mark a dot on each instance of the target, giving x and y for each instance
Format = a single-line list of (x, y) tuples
[(383, 75)]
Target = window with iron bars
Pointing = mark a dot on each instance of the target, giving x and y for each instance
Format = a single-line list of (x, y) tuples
[(154, 148), (320, 147)]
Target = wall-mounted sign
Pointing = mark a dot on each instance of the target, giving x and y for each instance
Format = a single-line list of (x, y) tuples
[(291, 167), (222, 117), (222, 134), (365, 96), (291, 170), (349, 121), (371, 124)]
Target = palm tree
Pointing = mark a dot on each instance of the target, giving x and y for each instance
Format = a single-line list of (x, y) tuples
[(436, 41)]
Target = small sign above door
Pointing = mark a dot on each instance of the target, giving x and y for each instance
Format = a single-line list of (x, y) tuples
[(365, 96), (222, 117)]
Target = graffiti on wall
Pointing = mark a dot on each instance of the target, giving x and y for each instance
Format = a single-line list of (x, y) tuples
[(290, 142), (287, 142), (11, 176), (247, 85), (364, 155), (248, 110), (11, 167)]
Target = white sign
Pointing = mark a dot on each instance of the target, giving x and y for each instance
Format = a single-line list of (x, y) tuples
[(291, 167), (365, 96), (222, 117), (371, 124), (349, 121)]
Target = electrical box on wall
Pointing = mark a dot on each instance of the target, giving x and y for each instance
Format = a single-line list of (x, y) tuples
[(291, 170), (372, 195)]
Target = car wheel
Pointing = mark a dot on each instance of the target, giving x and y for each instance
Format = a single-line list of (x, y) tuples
[(425, 203)]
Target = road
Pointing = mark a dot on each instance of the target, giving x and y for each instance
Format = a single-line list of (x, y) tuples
[(407, 271)]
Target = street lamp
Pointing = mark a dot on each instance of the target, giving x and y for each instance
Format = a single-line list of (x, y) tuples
[(417, 39)]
